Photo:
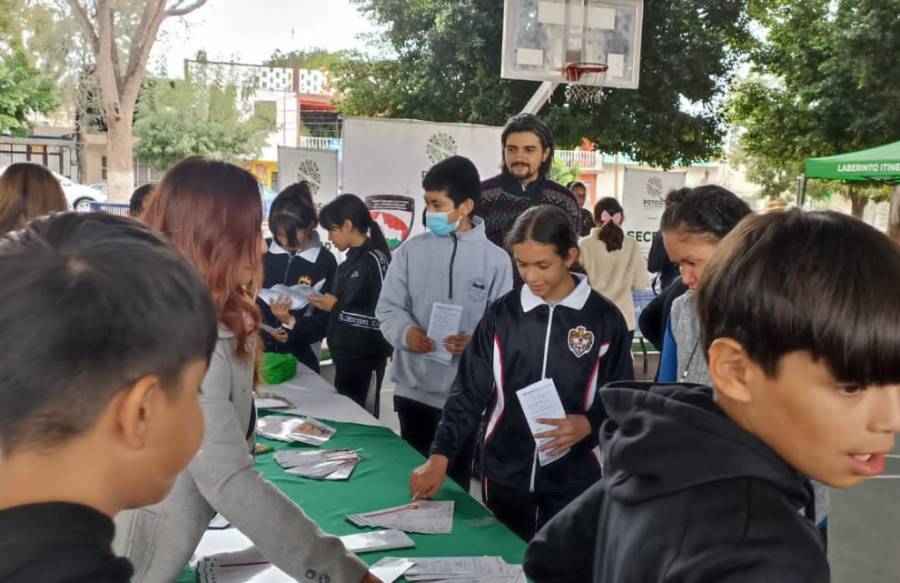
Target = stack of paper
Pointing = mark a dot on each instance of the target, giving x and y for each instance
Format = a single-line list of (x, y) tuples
[(272, 402), (465, 570), (294, 429), (299, 294), (319, 464), (239, 567), (389, 569), (379, 540), (425, 517)]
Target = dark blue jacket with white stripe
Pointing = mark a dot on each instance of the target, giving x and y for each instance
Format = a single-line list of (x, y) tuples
[(581, 343), (353, 330)]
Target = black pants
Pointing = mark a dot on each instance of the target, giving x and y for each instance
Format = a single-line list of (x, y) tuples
[(353, 376), (523, 512), (418, 424)]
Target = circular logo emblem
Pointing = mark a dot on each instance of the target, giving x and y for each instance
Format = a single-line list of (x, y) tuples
[(440, 147), (655, 187), (309, 171)]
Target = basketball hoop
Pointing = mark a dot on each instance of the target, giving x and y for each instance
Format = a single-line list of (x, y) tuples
[(585, 82)]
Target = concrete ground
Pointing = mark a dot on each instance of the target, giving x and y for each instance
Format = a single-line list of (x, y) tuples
[(864, 525)]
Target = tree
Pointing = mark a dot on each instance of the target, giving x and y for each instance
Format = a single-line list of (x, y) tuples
[(563, 174), (23, 90), (441, 62), (821, 86), (315, 58), (120, 62), (182, 118)]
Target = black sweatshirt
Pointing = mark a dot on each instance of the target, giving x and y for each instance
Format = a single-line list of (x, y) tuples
[(581, 343), (353, 330), (307, 267), (688, 496), (58, 542)]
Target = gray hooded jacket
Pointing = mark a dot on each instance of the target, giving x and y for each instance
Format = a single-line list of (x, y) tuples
[(466, 270)]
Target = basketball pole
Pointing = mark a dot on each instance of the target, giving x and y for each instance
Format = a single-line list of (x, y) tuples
[(540, 97)]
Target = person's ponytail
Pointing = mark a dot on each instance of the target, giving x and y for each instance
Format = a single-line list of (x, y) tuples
[(608, 214), (376, 235)]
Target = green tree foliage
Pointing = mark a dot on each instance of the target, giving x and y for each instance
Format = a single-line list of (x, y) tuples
[(23, 90), (822, 84), (563, 174), (182, 118), (304, 59), (441, 62)]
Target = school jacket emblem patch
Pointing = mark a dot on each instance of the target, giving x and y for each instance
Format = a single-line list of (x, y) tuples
[(581, 340)]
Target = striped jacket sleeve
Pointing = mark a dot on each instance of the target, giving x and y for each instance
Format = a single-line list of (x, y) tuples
[(471, 391)]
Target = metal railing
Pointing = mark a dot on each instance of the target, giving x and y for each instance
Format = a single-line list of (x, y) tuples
[(586, 160), (313, 143)]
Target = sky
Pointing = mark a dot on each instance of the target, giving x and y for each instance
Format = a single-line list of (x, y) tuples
[(249, 31)]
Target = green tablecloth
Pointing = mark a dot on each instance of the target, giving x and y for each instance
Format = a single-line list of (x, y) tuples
[(380, 480)]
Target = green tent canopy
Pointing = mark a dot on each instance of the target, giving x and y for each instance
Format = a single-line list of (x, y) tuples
[(881, 164)]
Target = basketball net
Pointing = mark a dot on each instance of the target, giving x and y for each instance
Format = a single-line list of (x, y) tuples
[(585, 83)]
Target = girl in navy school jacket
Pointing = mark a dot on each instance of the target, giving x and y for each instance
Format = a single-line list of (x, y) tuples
[(295, 256), (554, 327)]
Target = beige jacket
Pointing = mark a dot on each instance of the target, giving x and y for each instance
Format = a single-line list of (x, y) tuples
[(615, 274), (160, 539)]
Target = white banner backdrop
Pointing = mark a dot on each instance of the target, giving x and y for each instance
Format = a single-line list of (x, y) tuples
[(318, 167), (384, 161), (643, 199)]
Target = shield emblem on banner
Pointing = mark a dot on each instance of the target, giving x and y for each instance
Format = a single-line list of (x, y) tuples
[(394, 214)]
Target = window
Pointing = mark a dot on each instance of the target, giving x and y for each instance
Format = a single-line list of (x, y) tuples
[(103, 168)]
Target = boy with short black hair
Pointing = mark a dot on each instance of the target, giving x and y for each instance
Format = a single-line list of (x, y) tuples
[(107, 333), (138, 198), (456, 264), (800, 320)]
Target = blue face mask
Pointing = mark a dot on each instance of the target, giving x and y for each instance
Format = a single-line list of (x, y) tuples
[(439, 224)]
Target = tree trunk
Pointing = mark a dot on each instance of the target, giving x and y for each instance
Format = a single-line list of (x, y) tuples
[(894, 219), (119, 157), (858, 202)]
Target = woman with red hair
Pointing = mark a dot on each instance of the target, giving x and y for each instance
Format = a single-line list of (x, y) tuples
[(212, 211)]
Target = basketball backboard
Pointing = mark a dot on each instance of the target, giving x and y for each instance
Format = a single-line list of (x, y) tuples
[(540, 37)]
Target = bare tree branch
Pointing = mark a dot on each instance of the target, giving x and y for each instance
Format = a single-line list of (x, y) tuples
[(114, 50), (84, 21), (180, 9), (153, 10), (141, 44), (106, 74)]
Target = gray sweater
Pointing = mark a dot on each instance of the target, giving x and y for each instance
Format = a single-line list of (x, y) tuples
[(692, 366), (160, 539), (424, 270)]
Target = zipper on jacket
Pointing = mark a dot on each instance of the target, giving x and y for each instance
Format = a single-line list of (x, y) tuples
[(534, 462), (287, 270), (547, 342), (452, 261)]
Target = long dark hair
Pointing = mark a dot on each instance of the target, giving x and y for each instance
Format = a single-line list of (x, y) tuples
[(349, 207), (610, 233), (292, 210), (548, 225), (706, 210)]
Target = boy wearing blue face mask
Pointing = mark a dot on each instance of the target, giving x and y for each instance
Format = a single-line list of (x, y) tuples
[(453, 264)]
